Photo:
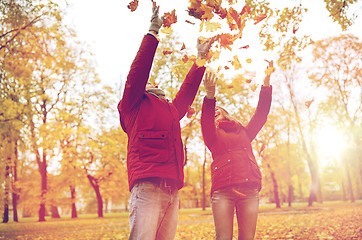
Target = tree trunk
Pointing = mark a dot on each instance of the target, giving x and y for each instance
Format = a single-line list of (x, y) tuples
[(275, 187), (349, 184), (43, 174), (290, 195), (6, 194), (95, 186), (15, 179), (74, 208), (54, 211), (315, 190)]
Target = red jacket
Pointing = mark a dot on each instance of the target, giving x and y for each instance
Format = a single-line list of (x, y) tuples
[(152, 124), (230, 144)]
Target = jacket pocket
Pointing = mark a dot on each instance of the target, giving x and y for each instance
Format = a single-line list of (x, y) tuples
[(153, 146)]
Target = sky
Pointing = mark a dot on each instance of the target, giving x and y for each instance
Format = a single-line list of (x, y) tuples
[(113, 33)]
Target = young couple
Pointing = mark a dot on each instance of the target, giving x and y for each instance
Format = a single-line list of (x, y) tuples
[(155, 157)]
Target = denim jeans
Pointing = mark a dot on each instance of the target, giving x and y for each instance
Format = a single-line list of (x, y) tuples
[(153, 212), (246, 202)]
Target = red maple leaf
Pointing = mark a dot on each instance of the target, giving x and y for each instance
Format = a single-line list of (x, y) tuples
[(169, 18), (308, 103), (133, 5)]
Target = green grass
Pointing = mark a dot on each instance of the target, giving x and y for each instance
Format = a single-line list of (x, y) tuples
[(337, 220)]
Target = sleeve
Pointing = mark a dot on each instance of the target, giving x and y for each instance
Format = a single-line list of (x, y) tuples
[(139, 73), (208, 127), (261, 113), (188, 90)]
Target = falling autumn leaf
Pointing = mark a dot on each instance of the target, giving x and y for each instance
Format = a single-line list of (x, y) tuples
[(308, 103), (244, 47), (169, 18), (259, 18), (248, 60), (167, 52), (236, 63), (185, 58), (246, 9), (248, 80), (183, 47), (238, 193), (200, 62), (212, 26), (133, 5), (253, 87), (226, 68), (167, 30), (190, 112), (189, 22), (270, 70)]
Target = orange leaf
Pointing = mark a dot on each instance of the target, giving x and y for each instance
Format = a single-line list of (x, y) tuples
[(253, 87), (226, 67), (167, 52), (308, 103), (246, 9), (248, 80), (169, 18), (133, 5), (230, 86), (238, 193), (190, 112), (259, 18), (185, 58), (226, 40)]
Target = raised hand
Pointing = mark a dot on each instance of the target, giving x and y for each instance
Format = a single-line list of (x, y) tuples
[(210, 84), (156, 21)]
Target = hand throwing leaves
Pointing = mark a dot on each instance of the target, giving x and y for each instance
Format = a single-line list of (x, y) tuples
[(156, 21), (210, 84)]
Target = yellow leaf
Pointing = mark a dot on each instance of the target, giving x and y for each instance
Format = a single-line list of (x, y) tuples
[(248, 60), (166, 30), (200, 62), (212, 26), (236, 63), (270, 70)]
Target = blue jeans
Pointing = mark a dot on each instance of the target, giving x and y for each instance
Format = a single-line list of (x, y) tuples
[(246, 202), (153, 212)]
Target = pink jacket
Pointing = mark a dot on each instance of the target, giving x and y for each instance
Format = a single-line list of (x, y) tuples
[(153, 125), (230, 144)]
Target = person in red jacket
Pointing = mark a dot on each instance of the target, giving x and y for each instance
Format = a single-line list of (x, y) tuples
[(235, 175), (155, 157)]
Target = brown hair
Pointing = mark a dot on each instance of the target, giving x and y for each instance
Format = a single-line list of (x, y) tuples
[(227, 116)]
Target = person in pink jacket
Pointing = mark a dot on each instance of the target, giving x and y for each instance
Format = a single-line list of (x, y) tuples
[(155, 157), (235, 175)]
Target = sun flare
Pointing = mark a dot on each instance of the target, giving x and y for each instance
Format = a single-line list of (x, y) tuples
[(329, 143)]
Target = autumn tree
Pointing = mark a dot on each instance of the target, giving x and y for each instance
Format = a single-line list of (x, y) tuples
[(337, 70)]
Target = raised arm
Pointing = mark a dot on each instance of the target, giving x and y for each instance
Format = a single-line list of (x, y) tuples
[(262, 110), (186, 95), (140, 69), (208, 127)]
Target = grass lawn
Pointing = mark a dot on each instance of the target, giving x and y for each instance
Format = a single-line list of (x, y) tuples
[(338, 220)]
